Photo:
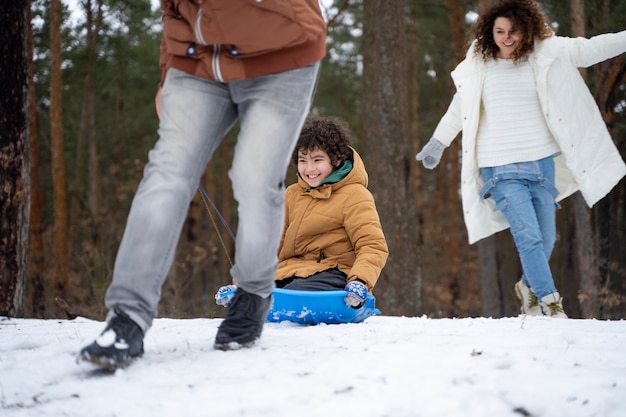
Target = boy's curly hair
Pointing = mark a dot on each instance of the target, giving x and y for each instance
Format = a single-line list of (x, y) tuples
[(527, 18), (328, 133)]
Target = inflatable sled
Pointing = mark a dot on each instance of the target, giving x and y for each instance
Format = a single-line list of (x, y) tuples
[(315, 307)]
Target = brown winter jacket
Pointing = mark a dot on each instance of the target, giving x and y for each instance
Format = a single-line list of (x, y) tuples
[(227, 40), (334, 225)]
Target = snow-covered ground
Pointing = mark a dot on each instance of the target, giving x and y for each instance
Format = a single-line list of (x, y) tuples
[(384, 367)]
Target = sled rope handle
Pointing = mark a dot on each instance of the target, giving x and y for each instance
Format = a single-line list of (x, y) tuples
[(207, 200)]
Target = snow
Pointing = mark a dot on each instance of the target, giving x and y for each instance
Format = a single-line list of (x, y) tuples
[(384, 367)]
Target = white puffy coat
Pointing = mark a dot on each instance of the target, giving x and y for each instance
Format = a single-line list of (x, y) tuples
[(589, 160)]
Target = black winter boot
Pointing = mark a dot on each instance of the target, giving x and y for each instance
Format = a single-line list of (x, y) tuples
[(117, 346), (244, 321)]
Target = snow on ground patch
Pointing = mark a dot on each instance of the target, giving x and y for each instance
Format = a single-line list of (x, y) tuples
[(386, 366)]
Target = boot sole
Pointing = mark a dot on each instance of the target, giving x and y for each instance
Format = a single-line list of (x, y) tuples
[(105, 363), (235, 345)]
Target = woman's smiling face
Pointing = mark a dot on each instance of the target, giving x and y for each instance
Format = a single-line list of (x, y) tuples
[(506, 37)]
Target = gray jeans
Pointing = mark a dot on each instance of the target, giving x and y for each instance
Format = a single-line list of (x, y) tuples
[(196, 114)]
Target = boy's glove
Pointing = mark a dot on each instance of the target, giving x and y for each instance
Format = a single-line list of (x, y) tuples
[(225, 294), (357, 294), (430, 155)]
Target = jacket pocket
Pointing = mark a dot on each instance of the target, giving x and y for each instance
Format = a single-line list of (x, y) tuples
[(179, 39), (485, 192), (178, 34), (547, 184)]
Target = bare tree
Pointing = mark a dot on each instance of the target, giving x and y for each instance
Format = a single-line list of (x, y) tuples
[(588, 274), (56, 144), (87, 132), (36, 253), (388, 152), (14, 158), (450, 196), (610, 212)]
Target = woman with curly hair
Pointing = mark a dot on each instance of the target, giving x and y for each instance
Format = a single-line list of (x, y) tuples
[(531, 135), (332, 238)]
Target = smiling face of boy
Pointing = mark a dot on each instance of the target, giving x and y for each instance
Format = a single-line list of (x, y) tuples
[(314, 166)]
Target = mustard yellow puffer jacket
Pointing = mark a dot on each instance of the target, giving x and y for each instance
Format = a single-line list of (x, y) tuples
[(334, 225)]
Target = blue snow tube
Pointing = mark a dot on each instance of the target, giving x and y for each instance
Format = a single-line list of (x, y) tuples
[(315, 307)]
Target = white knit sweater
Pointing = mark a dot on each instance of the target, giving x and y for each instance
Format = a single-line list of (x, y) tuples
[(512, 127)]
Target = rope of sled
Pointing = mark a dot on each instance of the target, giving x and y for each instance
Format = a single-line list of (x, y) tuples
[(207, 201)]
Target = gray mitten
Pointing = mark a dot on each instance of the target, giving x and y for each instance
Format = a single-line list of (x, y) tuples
[(430, 155)]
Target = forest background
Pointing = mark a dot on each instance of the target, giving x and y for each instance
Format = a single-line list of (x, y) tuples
[(92, 76)]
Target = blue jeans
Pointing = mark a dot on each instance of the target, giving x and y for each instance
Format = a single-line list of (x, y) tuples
[(196, 114), (525, 194)]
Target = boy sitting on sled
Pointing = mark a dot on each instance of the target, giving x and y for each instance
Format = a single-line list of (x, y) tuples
[(332, 238)]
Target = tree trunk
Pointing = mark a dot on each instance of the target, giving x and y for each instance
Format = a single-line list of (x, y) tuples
[(451, 206), (37, 259), (610, 213), (588, 273), (388, 152), (490, 288), (86, 132), (14, 156), (57, 149), (413, 102), (95, 190)]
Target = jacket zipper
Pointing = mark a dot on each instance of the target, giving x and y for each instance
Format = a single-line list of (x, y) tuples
[(216, 49), (216, 64)]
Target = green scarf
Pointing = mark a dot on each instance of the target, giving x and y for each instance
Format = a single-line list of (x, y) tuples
[(338, 174)]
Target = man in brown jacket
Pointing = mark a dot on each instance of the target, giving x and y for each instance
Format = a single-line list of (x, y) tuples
[(222, 62)]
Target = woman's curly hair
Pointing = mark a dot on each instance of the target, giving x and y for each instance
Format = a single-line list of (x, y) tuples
[(527, 18), (328, 133)]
